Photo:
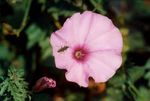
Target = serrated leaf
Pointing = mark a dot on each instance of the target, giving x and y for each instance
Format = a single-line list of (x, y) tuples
[(16, 86), (3, 88)]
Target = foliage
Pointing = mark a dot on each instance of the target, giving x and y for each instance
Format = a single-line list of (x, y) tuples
[(14, 87)]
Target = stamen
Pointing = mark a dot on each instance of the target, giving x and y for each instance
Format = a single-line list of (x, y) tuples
[(79, 54)]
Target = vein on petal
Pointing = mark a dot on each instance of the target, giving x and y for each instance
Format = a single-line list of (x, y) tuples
[(86, 36), (105, 32)]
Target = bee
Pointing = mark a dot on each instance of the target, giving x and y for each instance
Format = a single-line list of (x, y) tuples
[(62, 49)]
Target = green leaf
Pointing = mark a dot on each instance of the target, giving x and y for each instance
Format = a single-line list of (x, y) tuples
[(46, 49), (35, 34), (147, 65), (143, 94), (75, 97), (14, 85), (112, 94), (118, 80), (136, 41), (7, 99), (43, 3), (98, 5), (3, 88), (147, 77), (136, 73), (62, 12), (5, 54)]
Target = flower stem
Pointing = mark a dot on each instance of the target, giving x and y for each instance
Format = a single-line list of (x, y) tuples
[(25, 19)]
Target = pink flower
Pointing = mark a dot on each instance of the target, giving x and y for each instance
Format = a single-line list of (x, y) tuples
[(88, 45)]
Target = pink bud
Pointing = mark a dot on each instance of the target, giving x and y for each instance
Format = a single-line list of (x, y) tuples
[(44, 83)]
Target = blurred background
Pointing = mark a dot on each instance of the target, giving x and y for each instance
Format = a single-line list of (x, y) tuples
[(25, 52)]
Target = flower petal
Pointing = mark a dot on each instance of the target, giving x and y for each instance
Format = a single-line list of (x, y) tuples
[(57, 41), (99, 26), (68, 33), (110, 58), (77, 27), (99, 70), (111, 40), (70, 29), (78, 75), (63, 59), (85, 25)]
